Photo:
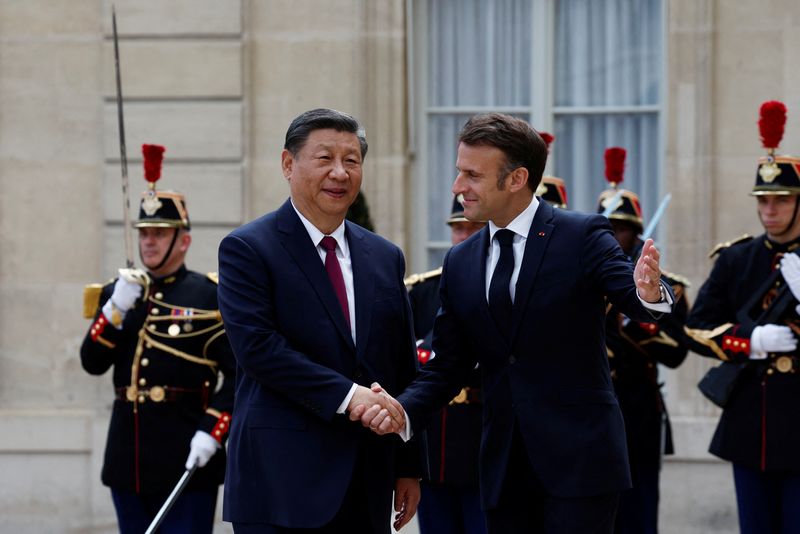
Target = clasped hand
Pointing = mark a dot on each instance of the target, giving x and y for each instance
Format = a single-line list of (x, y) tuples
[(377, 410)]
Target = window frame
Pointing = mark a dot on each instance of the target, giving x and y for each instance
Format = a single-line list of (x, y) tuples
[(542, 110)]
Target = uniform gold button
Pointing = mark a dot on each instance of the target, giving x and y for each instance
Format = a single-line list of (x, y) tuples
[(770, 371), (152, 327), (148, 345), (159, 295), (142, 382), (217, 433), (157, 394), (141, 398), (155, 311), (145, 362)]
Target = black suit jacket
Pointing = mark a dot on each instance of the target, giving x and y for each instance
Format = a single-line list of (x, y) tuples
[(552, 379), (291, 457)]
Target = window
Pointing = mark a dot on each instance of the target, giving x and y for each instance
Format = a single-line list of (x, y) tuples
[(589, 72)]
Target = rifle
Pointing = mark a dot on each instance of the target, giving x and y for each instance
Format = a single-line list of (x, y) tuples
[(773, 313)]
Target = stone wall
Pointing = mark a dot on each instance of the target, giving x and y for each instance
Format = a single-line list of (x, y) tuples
[(217, 82)]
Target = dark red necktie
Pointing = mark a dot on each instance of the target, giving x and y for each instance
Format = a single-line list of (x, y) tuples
[(335, 274)]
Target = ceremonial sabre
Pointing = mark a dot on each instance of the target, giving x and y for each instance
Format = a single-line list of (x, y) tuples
[(656, 217), (613, 203), (171, 500), (126, 203)]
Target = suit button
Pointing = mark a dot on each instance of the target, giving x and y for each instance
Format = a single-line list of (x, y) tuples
[(512, 359)]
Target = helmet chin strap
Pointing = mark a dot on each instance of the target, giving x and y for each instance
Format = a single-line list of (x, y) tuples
[(166, 256)]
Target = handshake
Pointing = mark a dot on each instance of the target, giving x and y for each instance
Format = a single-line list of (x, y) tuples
[(377, 410)]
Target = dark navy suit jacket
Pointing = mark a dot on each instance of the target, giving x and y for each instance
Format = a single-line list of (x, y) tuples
[(552, 378), (290, 456)]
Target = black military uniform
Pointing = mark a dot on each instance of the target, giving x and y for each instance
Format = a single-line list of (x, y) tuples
[(168, 359), (759, 428), (634, 351), (450, 495)]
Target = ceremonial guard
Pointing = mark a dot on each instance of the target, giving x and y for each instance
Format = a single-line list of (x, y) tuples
[(450, 501), (552, 188), (634, 351), (746, 314), (162, 333)]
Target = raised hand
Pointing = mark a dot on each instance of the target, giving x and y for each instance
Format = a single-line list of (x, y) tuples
[(647, 273), (125, 294), (377, 410)]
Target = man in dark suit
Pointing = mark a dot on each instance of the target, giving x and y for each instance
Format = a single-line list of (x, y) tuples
[(525, 298), (316, 311), (450, 501)]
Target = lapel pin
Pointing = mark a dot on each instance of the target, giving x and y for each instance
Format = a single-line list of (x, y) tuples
[(541, 234)]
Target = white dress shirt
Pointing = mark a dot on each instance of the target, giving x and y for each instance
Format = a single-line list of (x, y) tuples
[(343, 255), (346, 264)]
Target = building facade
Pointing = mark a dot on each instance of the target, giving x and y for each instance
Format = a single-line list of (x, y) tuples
[(217, 83)]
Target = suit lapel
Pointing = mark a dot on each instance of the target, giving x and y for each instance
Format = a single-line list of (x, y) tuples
[(298, 244), (538, 237), (363, 285)]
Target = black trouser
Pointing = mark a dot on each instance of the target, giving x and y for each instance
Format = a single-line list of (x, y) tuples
[(353, 515), (525, 506)]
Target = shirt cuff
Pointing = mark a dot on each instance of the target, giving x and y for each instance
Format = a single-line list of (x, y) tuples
[(346, 402), (406, 434), (663, 307)]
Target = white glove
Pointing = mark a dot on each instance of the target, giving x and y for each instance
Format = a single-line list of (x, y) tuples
[(123, 298), (771, 338), (203, 447), (790, 269)]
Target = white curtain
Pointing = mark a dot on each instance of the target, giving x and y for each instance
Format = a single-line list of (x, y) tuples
[(606, 53), (479, 54)]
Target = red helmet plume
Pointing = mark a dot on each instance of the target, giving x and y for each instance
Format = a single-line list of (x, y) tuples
[(153, 156), (548, 139), (771, 120), (615, 164)]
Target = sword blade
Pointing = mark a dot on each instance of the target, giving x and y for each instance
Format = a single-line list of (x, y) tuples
[(123, 156), (648, 232), (613, 203), (171, 500)]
